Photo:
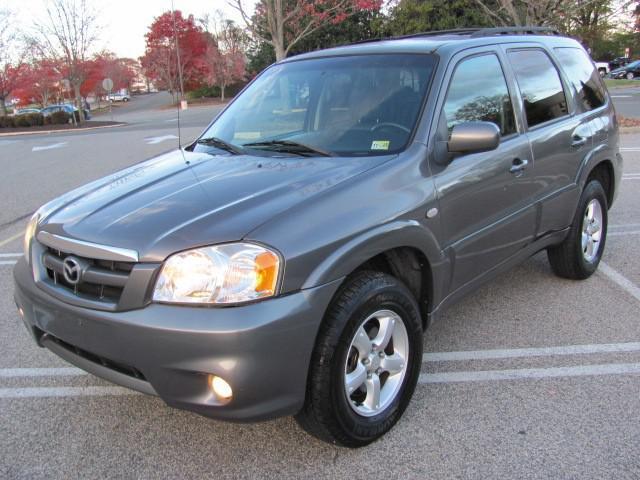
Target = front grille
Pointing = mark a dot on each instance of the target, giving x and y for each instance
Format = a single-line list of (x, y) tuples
[(102, 280), (105, 362)]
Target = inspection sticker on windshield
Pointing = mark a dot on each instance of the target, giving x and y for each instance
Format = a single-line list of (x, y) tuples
[(380, 145)]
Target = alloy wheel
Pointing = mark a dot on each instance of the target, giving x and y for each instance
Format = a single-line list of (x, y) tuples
[(376, 363), (592, 230)]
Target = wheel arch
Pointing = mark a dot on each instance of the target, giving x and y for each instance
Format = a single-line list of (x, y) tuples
[(604, 173), (404, 249)]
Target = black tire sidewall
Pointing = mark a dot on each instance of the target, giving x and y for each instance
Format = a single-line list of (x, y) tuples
[(392, 296)]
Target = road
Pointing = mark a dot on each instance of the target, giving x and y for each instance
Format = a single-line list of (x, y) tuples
[(530, 377), (627, 101)]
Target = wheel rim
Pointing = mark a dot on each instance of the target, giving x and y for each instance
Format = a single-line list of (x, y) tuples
[(376, 363), (630, 76), (592, 225)]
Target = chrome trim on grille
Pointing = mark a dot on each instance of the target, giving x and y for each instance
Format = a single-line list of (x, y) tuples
[(87, 249)]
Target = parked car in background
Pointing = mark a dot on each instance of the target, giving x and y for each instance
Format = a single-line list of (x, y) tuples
[(70, 109), (119, 97), (25, 111), (618, 62), (629, 71)]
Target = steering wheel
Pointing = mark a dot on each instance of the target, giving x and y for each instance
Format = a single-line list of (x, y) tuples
[(378, 126)]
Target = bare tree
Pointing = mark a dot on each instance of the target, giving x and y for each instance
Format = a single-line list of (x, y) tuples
[(69, 32), (12, 55), (284, 23), (568, 15)]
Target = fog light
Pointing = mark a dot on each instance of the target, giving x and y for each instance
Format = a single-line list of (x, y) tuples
[(221, 388)]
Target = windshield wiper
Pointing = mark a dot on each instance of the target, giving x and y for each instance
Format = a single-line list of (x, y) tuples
[(288, 146), (221, 144)]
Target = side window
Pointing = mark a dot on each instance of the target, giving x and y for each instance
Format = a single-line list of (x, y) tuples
[(540, 85), (478, 92), (583, 76)]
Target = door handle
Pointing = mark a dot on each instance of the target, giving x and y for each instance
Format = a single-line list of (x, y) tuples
[(579, 141), (519, 164)]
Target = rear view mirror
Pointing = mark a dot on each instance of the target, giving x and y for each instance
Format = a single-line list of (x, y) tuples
[(471, 137)]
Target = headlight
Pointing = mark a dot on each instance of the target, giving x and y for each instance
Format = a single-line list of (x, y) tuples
[(29, 233), (222, 274)]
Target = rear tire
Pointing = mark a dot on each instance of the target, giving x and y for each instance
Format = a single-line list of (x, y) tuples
[(342, 352), (578, 256)]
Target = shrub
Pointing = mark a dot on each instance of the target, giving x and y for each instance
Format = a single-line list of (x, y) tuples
[(214, 91), (28, 120), (21, 121), (35, 119), (60, 118), (6, 122)]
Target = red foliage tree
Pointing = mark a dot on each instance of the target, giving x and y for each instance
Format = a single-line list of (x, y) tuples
[(225, 55), (41, 83), (160, 60)]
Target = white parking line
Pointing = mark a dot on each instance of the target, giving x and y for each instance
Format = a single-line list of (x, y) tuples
[(162, 138), (6, 263), (630, 149), (627, 225), (11, 239), (531, 352), (618, 234), (621, 96), (40, 372), (49, 147), (621, 280), (44, 392), (10, 255), (524, 373)]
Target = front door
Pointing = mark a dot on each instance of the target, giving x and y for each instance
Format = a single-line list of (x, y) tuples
[(486, 213)]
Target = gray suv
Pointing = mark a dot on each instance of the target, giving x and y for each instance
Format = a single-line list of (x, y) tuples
[(288, 261)]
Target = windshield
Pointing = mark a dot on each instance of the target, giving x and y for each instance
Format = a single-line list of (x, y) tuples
[(347, 106)]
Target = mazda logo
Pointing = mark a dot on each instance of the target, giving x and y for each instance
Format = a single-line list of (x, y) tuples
[(72, 270)]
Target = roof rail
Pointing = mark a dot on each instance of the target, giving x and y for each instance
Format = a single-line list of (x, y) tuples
[(472, 32), (486, 32)]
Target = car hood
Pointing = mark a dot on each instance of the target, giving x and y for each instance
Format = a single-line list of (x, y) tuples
[(185, 199)]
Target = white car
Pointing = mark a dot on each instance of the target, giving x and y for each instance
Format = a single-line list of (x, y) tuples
[(118, 97), (603, 68)]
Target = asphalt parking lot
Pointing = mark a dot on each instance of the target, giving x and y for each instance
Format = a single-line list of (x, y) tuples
[(530, 377)]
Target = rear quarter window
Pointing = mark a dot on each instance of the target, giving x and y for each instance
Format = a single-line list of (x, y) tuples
[(583, 76), (540, 86)]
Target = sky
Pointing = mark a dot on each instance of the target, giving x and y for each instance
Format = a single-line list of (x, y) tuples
[(124, 22)]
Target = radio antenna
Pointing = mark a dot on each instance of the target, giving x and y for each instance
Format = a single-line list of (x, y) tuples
[(175, 37)]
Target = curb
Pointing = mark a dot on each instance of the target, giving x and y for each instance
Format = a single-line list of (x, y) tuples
[(42, 132)]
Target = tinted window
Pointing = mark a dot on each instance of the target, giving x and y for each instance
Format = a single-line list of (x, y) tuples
[(583, 76), (540, 86), (352, 105), (478, 92)]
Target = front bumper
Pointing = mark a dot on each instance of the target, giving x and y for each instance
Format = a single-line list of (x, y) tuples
[(262, 350)]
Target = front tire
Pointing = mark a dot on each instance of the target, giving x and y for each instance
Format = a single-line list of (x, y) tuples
[(366, 362), (578, 256)]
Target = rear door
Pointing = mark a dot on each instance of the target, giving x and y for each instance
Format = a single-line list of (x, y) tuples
[(560, 137), (486, 215)]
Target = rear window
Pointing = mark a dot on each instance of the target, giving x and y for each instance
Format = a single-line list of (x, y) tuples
[(540, 85), (583, 76)]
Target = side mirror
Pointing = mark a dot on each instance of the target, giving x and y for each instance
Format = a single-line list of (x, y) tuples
[(472, 137)]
